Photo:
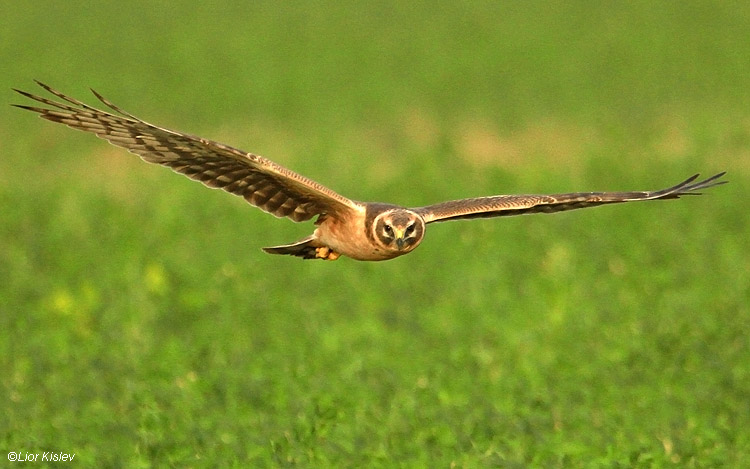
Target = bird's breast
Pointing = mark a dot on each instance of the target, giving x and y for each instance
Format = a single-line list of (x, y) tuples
[(349, 237)]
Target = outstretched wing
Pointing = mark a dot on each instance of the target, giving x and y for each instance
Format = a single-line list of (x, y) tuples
[(261, 182), (504, 205)]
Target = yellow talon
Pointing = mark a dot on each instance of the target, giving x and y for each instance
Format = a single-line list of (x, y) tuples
[(326, 253)]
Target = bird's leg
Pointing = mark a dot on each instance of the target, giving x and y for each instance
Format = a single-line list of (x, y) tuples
[(324, 252)]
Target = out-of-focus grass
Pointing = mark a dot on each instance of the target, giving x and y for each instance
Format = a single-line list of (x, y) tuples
[(140, 324)]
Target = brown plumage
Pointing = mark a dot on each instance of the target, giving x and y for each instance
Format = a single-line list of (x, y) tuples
[(363, 231)]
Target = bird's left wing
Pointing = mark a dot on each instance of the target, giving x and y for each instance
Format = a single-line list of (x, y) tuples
[(504, 205), (263, 183)]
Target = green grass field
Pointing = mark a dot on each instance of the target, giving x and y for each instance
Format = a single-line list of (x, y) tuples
[(141, 325)]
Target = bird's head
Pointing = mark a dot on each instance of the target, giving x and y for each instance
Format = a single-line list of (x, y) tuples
[(398, 230)]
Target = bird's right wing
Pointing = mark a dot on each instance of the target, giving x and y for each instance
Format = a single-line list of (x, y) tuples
[(263, 183)]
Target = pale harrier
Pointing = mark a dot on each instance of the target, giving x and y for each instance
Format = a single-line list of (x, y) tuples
[(360, 230)]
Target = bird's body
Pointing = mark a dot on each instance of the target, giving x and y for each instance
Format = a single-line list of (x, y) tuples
[(361, 236), (359, 230)]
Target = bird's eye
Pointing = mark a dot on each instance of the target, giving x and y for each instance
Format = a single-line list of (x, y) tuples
[(388, 229), (409, 230)]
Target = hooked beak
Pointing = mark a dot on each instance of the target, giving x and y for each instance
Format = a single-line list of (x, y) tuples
[(400, 241)]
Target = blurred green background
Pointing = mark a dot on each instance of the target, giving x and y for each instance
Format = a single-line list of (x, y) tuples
[(140, 324)]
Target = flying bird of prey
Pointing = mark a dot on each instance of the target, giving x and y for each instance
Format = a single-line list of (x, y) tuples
[(364, 231)]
